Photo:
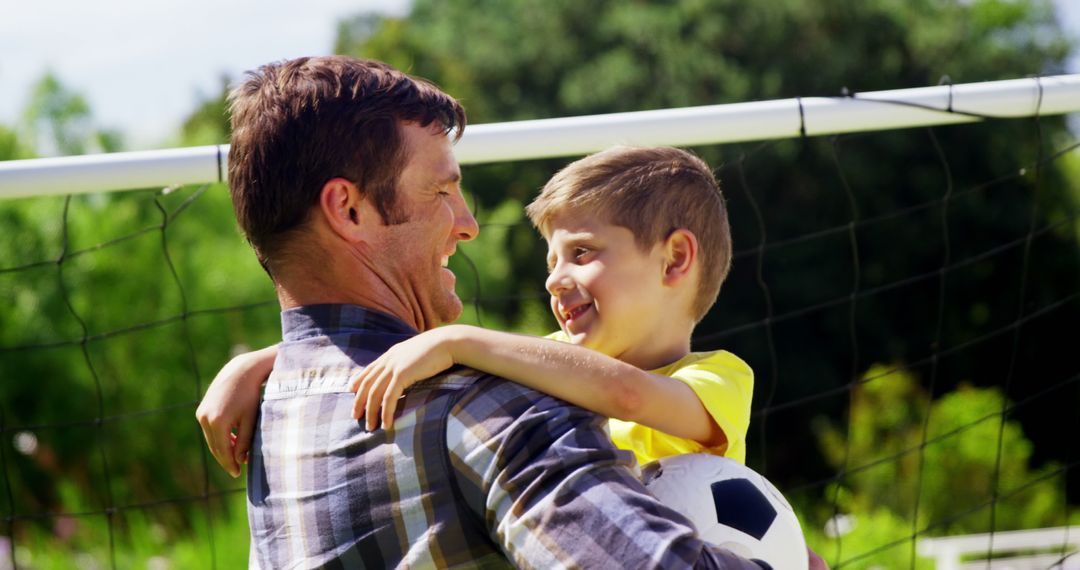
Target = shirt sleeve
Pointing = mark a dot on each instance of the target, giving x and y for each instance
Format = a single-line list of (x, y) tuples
[(725, 386), (553, 491)]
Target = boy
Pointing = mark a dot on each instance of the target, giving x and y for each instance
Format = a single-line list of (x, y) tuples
[(638, 246)]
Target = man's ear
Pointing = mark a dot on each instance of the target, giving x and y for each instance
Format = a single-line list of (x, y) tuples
[(345, 209), (680, 255)]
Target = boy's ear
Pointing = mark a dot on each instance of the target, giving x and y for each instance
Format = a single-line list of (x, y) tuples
[(345, 209), (680, 255)]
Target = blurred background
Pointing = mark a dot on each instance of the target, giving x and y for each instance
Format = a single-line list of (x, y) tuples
[(907, 299)]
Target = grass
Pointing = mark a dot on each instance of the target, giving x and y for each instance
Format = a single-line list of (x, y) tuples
[(215, 535)]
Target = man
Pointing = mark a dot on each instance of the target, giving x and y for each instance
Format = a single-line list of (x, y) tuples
[(344, 181)]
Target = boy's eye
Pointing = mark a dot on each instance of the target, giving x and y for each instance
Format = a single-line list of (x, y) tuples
[(577, 254)]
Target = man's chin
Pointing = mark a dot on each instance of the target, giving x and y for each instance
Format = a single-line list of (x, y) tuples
[(451, 310), (454, 314)]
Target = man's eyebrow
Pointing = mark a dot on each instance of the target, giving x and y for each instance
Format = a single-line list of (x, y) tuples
[(451, 178), (439, 182)]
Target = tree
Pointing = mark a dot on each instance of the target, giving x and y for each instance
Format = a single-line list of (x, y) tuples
[(58, 121), (209, 123), (10, 146)]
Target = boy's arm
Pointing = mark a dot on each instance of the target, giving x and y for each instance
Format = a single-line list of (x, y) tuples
[(576, 374), (231, 403), (554, 492)]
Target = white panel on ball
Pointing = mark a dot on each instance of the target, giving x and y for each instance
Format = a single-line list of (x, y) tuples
[(732, 506)]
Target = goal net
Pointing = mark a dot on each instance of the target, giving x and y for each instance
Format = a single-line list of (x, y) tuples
[(905, 287)]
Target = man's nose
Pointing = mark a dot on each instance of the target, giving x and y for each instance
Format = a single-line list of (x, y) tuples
[(465, 226)]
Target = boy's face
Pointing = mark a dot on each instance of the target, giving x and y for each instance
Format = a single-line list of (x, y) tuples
[(606, 293)]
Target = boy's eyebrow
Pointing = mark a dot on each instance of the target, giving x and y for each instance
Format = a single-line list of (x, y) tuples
[(569, 241), (577, 237)]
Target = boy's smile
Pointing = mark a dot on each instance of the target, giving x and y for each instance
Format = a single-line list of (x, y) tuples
[(607, 293), (573, 315)]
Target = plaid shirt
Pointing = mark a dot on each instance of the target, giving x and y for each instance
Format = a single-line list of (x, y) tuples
[(477, 472)]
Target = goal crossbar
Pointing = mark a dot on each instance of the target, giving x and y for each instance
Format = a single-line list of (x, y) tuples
[(573, 136)]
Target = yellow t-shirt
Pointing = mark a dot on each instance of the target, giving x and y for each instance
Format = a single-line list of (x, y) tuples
[(723, 383)]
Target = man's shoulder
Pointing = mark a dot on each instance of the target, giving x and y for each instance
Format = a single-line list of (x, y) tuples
[(492, 408), (497, 424), (489, 395)]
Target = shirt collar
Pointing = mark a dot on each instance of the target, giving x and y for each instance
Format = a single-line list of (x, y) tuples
[(311, 321)]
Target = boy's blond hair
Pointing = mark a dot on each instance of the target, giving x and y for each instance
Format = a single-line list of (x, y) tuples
[(651, 192)]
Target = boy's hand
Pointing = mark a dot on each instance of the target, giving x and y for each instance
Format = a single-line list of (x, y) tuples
[(383, 381), (227, 412)]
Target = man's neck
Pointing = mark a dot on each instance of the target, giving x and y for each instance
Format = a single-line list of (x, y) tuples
[(303, 286)]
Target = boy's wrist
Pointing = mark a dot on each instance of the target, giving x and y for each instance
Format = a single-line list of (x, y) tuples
[(457, 340), (259, 362)]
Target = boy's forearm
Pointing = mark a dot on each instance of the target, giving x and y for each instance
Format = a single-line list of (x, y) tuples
[(576, 374), (588, 379), (257, 364)]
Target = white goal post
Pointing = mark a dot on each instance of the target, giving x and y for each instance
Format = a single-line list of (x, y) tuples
[(1017, 549), (572, 136)]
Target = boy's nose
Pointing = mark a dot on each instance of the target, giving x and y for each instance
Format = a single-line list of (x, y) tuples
[(558, 282)]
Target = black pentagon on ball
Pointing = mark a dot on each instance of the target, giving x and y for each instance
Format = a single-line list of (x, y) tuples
[(740, 505)]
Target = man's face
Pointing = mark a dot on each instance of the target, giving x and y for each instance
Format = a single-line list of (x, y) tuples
[(415, 253)]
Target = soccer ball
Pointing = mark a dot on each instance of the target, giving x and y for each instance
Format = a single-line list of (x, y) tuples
[(732, 506)]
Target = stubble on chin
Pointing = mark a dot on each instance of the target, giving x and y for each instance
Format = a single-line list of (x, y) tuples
[(453, 309)]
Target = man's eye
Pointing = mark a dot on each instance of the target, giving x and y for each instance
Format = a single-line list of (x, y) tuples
[(580, 252)]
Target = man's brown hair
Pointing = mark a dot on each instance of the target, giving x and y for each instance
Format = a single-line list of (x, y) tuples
[(651, 192), (298, 123)]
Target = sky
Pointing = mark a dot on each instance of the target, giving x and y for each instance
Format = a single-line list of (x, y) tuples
[(144, 65)]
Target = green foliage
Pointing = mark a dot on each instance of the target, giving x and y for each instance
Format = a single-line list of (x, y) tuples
[(209, 123), (896, 457), (879, 539), (59, 122), (119, 307), (218, 538), (536, 59), (10, 147)]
